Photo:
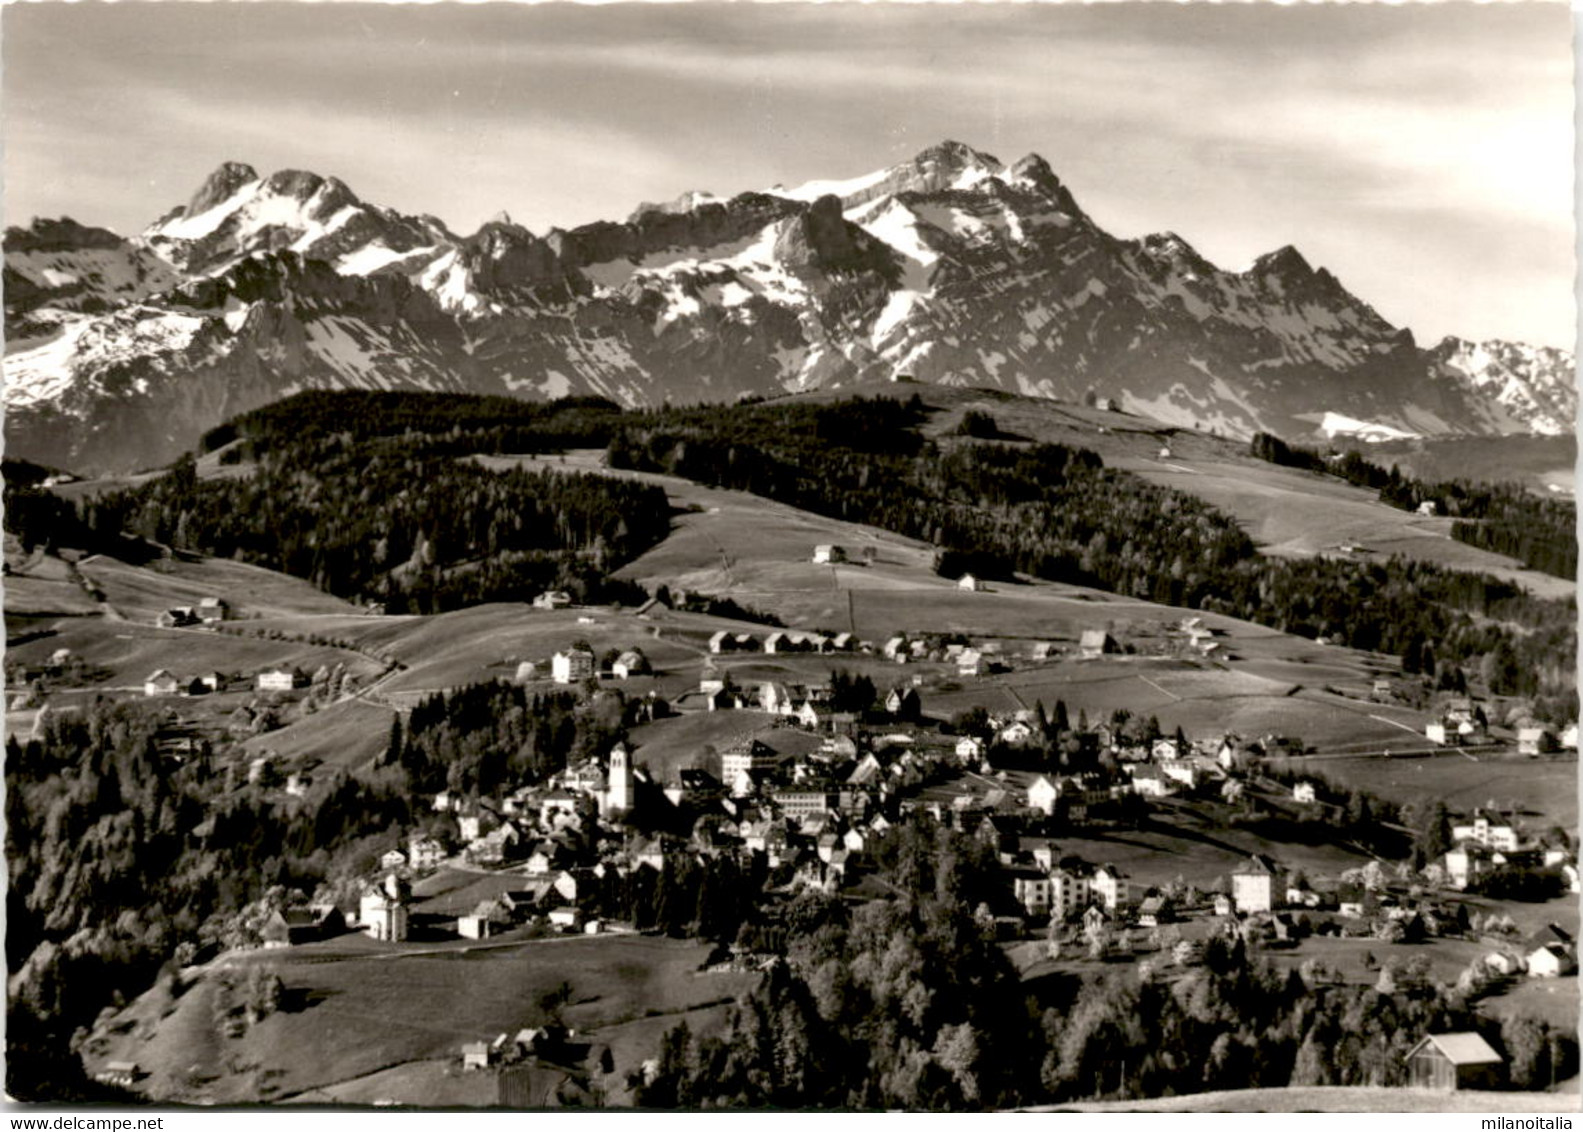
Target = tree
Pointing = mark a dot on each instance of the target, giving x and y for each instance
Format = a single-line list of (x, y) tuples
[(1527, 1053)]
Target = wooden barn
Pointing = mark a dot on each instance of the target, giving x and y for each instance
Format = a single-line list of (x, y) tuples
[(1449, 1062)]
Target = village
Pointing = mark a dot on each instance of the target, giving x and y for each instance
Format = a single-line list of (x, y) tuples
[(801, 804), (841, 739)]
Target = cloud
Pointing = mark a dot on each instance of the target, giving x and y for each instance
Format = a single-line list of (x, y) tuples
[(1376, 137)]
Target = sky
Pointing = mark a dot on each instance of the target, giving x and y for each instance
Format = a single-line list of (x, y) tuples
[(1423, 153)]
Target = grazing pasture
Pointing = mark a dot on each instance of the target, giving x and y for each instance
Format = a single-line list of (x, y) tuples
[(355, 1008)]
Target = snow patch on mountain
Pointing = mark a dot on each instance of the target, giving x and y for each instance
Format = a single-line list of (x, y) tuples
[(1338, 424)]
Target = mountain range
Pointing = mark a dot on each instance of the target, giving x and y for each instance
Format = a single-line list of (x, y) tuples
[(951, 267)]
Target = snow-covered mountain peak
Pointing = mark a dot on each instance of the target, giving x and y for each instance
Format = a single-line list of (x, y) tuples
[(948, 266), (220, 185)]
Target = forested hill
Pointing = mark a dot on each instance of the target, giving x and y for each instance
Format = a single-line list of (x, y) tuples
[(1057, 512), (364, 495)]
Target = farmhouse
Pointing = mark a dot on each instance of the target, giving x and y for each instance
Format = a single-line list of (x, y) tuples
[(1551, 961), (970, 662), (527, 670), (970, 749), (1150, 781), (552, 599), (1043, 795), (161, 683), (484, 921), (1305, 792), (572, 666), (969, 582), (776, 698), (1535, 741), (829, 553), (903, 703), (1016, 733), (212, 609), (632, 662), (175, 617), (278, 680), (1453, 1061), (1095, 643), (1154, 911), (1442, 734), (1429, 507)]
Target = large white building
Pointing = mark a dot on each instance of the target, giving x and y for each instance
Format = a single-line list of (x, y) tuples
[(383, 910), (746, 758), (1253, 886), (572, 666), (1071, 890)]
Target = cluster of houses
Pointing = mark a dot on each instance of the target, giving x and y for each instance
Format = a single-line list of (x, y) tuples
[(578, 663), (781, 641), (971, 660), (1486, 843), (507, 1049), (163, 682), (1460, 722), (208, 611)]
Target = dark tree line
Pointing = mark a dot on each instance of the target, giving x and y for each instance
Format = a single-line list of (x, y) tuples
[(384, 520), (120, 859), (910, 1004)]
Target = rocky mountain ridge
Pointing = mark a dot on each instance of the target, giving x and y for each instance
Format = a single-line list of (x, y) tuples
[(951, 267)]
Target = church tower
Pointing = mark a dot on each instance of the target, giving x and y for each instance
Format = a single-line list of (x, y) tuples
[(620, 784)]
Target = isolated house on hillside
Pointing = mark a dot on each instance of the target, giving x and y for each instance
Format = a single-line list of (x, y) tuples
[(829, 553), (1043, 795), (1551, 961), (1096, 643), (277, 680), (175, 617), (1535, 741), (969, 582), (630, 663), (161, 683), (212, 609)]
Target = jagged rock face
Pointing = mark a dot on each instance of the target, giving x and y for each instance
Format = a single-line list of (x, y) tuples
[(951, 267)]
